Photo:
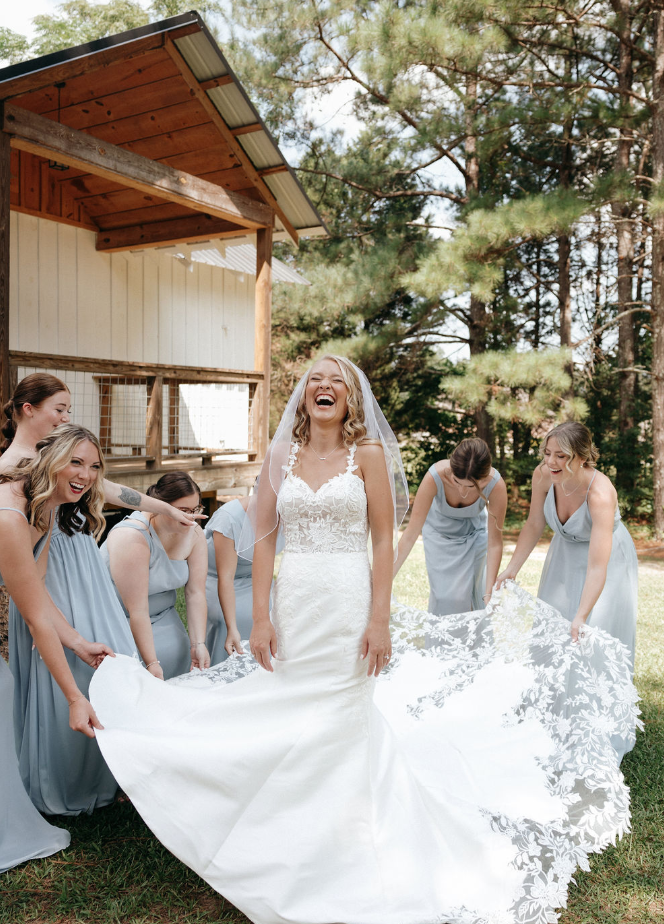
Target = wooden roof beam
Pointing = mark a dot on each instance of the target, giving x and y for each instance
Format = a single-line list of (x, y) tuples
[(53, 141), (227, 134), (187, 230)]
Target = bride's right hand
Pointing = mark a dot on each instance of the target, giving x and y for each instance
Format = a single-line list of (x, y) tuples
[(263, 643)]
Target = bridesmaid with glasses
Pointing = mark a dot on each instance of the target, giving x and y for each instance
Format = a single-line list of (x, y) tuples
[(463, 544), (149, 558)]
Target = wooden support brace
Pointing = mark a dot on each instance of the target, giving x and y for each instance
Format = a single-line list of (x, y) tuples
[(154, 421)]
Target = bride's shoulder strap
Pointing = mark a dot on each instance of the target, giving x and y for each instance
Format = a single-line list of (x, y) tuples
[(350, 467), (292, 458)]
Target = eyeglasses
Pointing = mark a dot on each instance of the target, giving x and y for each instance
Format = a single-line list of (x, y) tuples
[(191, 510)]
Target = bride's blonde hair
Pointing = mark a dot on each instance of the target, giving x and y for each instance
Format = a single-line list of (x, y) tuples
[(353, 429)]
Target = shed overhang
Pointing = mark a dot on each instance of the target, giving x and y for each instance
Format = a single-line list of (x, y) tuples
[(147, 138)]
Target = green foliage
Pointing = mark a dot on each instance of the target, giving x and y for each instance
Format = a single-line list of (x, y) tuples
[(13, 47), (531, 388), (79, 21), (473, 259)]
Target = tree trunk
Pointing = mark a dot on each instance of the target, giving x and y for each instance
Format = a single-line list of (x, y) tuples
[(622, 215), (564, 290), (478, 309), (564, 241), (658, 281)]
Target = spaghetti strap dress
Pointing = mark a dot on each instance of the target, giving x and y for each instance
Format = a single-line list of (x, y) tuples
[(229, 521), (63, 770), (171, 641), (564, 575), (455, 547), (24, 834)]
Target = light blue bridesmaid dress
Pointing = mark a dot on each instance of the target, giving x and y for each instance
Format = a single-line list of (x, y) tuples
[(564, 575), (455, 547), (229, 521), (24, 834), (564, 572), (171, 641), (63, 770)]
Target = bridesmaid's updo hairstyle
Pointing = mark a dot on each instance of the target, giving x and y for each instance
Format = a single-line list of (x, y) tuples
[(33, 389), (471, 461), (39, 480), (353, 428), (173, 486), (576, 441)]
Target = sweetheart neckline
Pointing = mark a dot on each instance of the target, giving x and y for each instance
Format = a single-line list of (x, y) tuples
[(329, 480)]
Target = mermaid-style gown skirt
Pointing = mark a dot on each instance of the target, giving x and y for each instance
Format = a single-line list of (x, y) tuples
[(446, 791)]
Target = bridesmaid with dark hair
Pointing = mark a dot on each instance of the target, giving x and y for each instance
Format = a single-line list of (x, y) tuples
[(462, 545), (150, 557), (72, 779)]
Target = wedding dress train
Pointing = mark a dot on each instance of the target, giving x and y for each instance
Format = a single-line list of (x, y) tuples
[(462, 786)]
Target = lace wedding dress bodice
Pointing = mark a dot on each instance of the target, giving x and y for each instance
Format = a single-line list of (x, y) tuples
[(331, 519)]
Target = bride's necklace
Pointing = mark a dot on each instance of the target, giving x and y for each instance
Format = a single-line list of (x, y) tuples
[(323, 458)]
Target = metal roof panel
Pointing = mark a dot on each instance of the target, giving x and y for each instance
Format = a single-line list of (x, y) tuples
[(233, 107)]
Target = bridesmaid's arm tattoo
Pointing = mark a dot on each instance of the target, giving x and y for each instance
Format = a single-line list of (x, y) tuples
[(130, 497)]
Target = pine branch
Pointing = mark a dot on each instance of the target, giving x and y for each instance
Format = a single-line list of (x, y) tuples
[(379, 194), (611, 323)]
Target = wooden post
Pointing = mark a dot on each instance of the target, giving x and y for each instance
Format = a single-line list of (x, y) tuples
[(5, 375), (154, 421), (105, 414), (173, 417), (263, 337)]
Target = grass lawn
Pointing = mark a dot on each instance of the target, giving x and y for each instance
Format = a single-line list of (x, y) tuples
[(115, 872)]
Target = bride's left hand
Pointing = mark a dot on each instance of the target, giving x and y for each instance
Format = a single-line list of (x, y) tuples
[(376, 648)]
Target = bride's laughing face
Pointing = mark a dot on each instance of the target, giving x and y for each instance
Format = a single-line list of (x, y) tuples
[(326, 394)]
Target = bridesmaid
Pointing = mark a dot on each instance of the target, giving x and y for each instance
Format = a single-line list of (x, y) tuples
[(150, 557), (26, 518), (462, 545), (228, 588), (591, 573), (73, 779)]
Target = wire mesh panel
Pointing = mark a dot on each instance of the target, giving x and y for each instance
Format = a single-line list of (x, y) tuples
[(197, 417), (206, 417)]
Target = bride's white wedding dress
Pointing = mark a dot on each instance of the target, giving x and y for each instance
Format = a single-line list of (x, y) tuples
[(462, 786)]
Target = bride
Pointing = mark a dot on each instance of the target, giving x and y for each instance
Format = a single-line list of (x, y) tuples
[(344, 777)]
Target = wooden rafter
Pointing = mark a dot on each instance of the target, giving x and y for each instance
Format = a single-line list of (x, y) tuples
[(227, 134), (49, 139), (187, 230)]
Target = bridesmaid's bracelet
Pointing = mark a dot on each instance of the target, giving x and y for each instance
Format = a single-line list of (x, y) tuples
[(196, 644), (156, 661)]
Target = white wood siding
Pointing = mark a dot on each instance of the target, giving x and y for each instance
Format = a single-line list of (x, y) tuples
[(67, 298)]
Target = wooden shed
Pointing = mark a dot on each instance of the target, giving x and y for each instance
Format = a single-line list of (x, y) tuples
[(140, 196)]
